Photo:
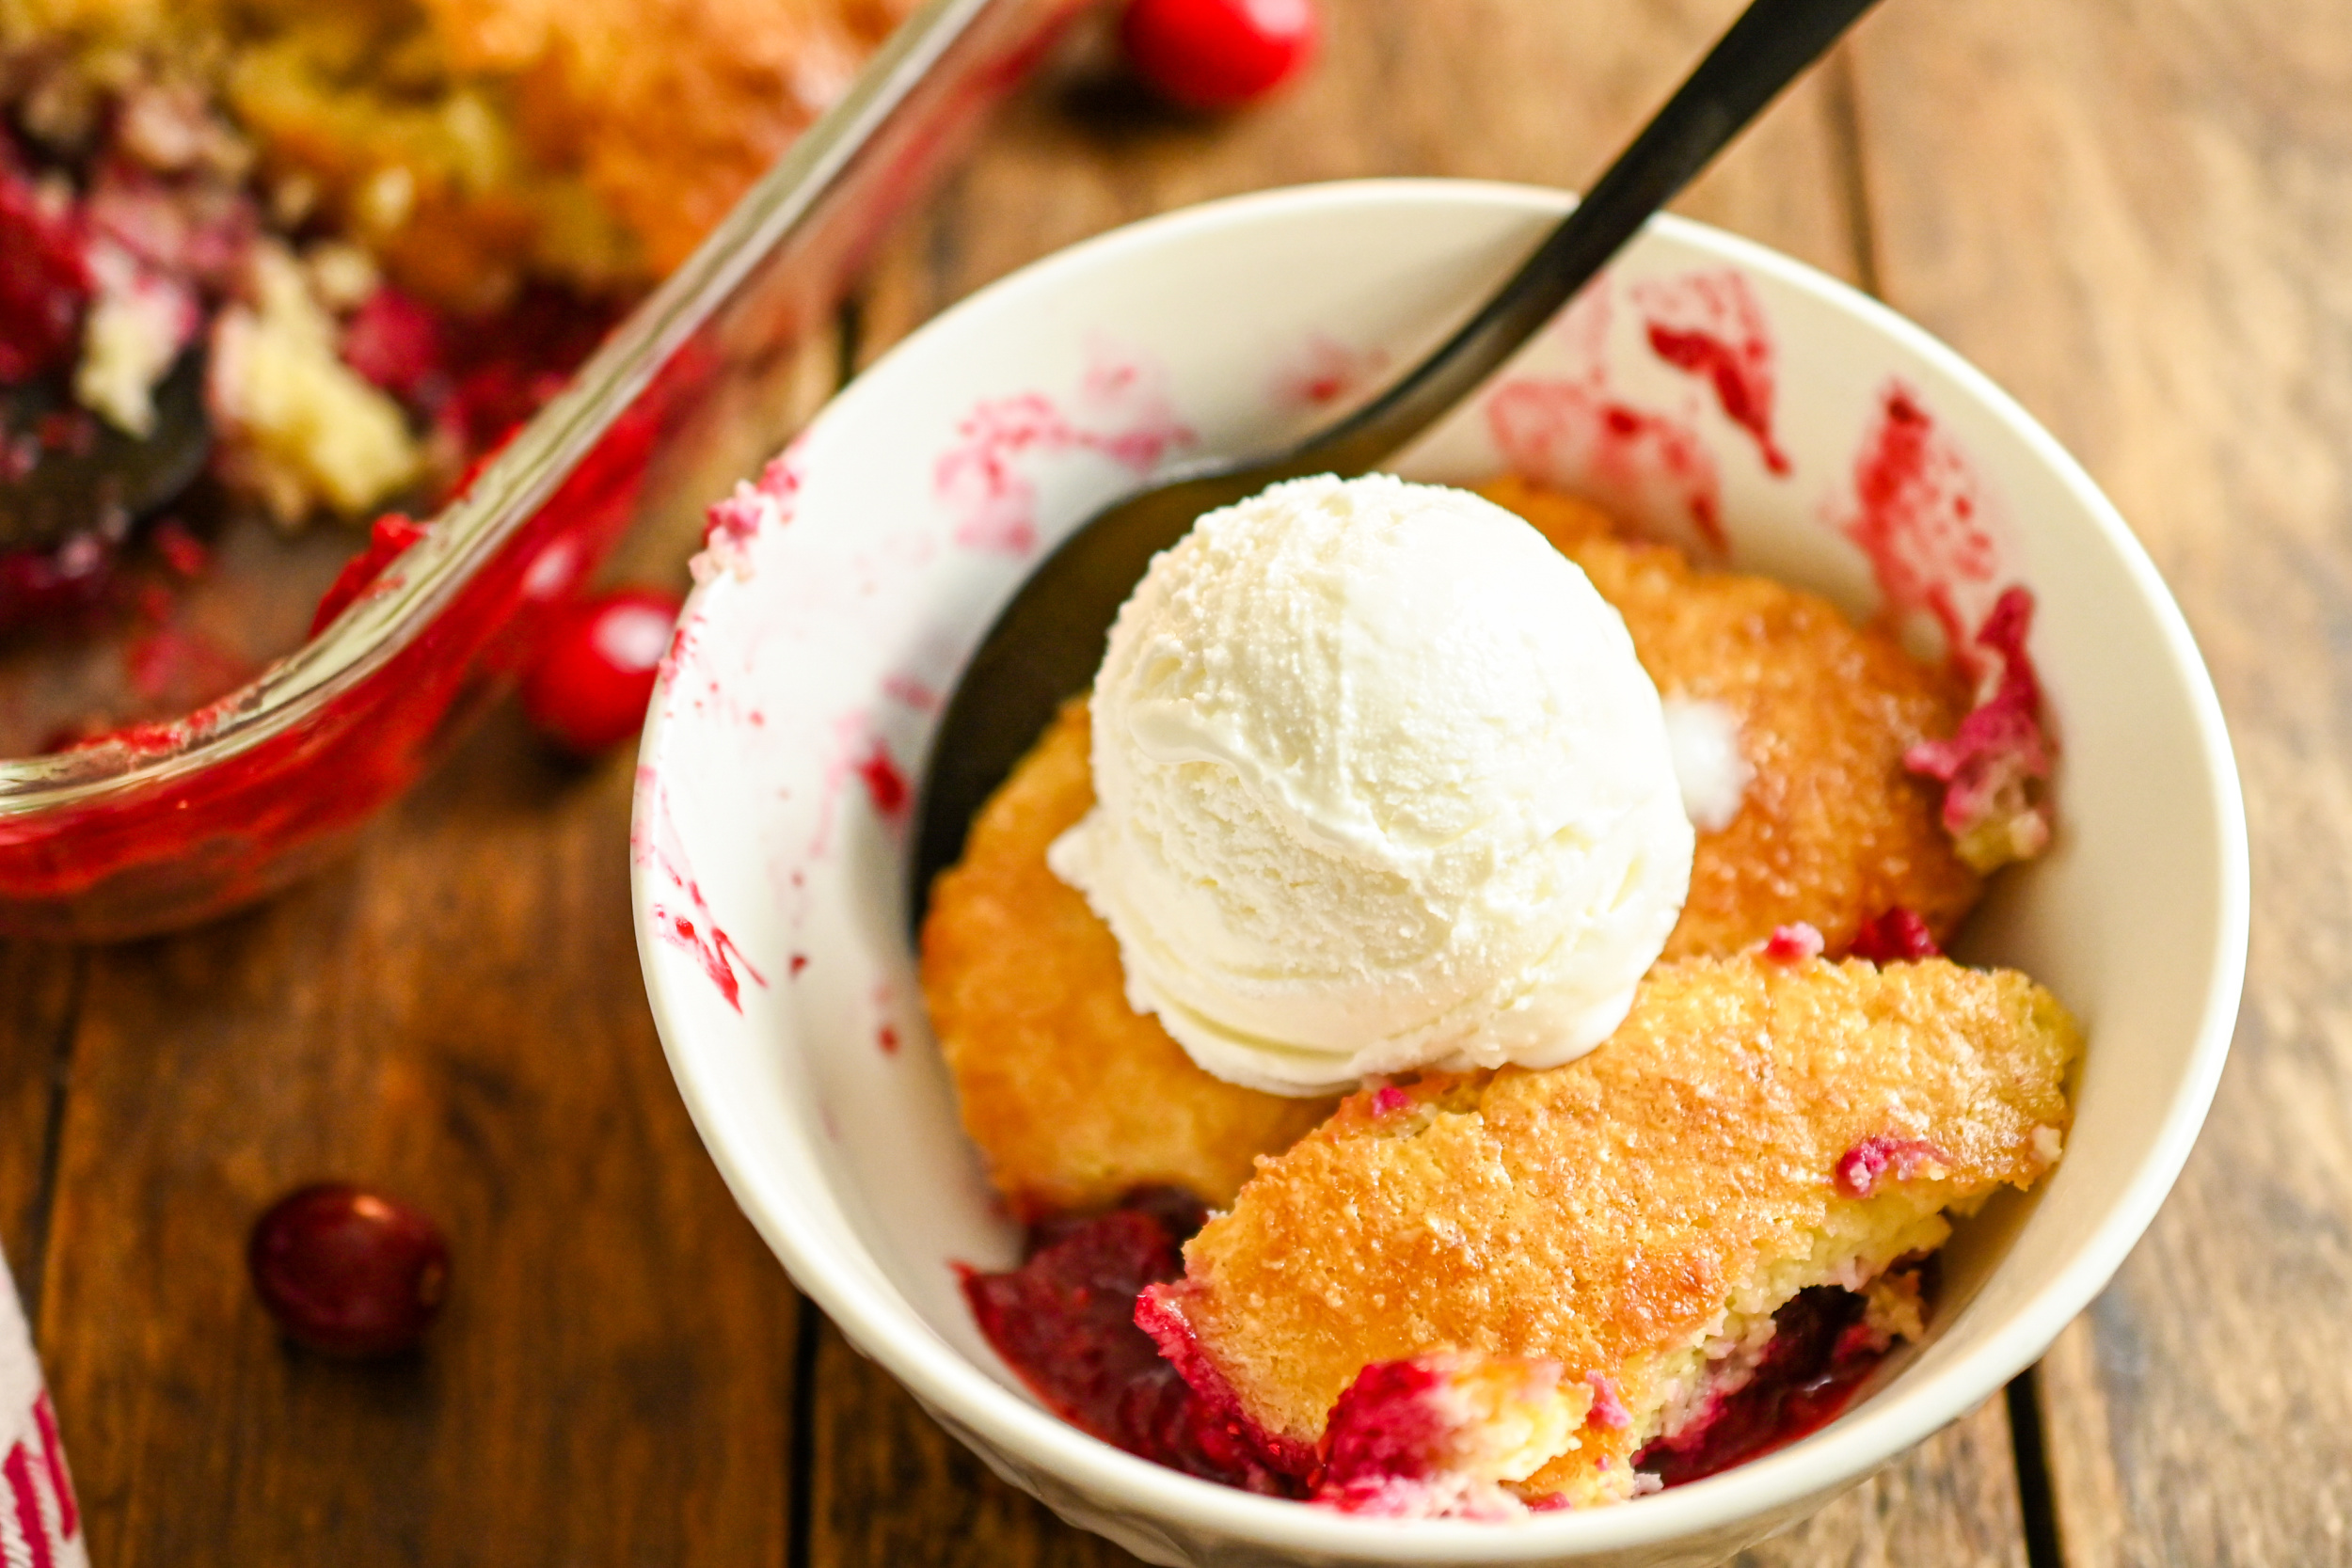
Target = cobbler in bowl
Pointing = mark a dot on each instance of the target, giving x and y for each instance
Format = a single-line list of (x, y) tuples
[(1821, 1190), (1469, 1294)]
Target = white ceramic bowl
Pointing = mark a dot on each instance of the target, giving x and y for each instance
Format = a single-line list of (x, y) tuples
[(771, 834)]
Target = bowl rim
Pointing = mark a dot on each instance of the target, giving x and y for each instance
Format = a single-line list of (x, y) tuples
[(949, 1384)]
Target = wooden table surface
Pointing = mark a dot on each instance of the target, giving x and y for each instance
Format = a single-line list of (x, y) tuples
[(2136, 213)]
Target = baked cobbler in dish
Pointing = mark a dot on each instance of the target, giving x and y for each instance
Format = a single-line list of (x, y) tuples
[(1475, 1290)]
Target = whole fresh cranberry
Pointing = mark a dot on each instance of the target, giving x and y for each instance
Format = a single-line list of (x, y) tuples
[(349, 1271), (1213, 54), (589, 690)]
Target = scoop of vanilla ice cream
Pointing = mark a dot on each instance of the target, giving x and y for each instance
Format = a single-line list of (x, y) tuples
[(1379, 785)]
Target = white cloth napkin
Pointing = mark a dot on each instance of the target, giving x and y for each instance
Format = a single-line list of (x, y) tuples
[(40, 1525)]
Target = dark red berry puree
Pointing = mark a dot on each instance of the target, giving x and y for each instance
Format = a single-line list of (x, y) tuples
[(1065, 1321), (1820, 1353)]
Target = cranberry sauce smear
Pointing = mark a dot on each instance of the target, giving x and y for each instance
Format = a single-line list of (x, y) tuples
[(1065, 1322), (1821, 1352)]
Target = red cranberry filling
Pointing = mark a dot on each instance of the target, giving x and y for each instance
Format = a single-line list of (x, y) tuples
[(1382, 1428), (1065, 1321), (1821, 1352)]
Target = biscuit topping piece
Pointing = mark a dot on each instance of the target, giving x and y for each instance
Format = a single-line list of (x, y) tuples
[(1755, 1130), (1075, 1097)]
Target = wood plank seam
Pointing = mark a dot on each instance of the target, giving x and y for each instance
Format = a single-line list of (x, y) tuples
[(2029, 1445), (30, 1269), (1844, 118), (800, 1451)]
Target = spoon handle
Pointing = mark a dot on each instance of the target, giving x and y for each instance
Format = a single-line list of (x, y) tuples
[(1771, 43)]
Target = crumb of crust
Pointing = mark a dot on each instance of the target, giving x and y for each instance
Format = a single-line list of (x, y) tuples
[(1073, 1097), (1833, 828), (1894, 1308), (1683, 1179)]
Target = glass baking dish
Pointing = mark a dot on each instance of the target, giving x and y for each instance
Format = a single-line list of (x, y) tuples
[(159, 825)]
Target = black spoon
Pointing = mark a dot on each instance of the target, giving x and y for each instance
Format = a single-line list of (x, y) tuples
[(1048, 640), (110, 481)]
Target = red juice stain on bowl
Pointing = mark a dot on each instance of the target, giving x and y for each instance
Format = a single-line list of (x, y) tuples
[(885, 783), (1995, 767), (909, 692), (982, 480), (1324, 371), (1922, 518), (388, 539), (712, 948), (1711, 325), (1639, 463), (691, 927), (735, 521)]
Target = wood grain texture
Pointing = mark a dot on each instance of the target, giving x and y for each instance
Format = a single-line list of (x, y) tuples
[(2136, 215), (1952, 1501), (455, 1016), (1539, 90), (889, 1488)]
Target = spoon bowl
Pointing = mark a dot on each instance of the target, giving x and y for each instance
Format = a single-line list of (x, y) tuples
[(110, 481)]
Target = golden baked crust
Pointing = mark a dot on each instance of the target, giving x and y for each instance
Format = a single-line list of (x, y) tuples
[(669, 108), (1617, 1214), (1832, 830), (1073, 1096), (469, 143)]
